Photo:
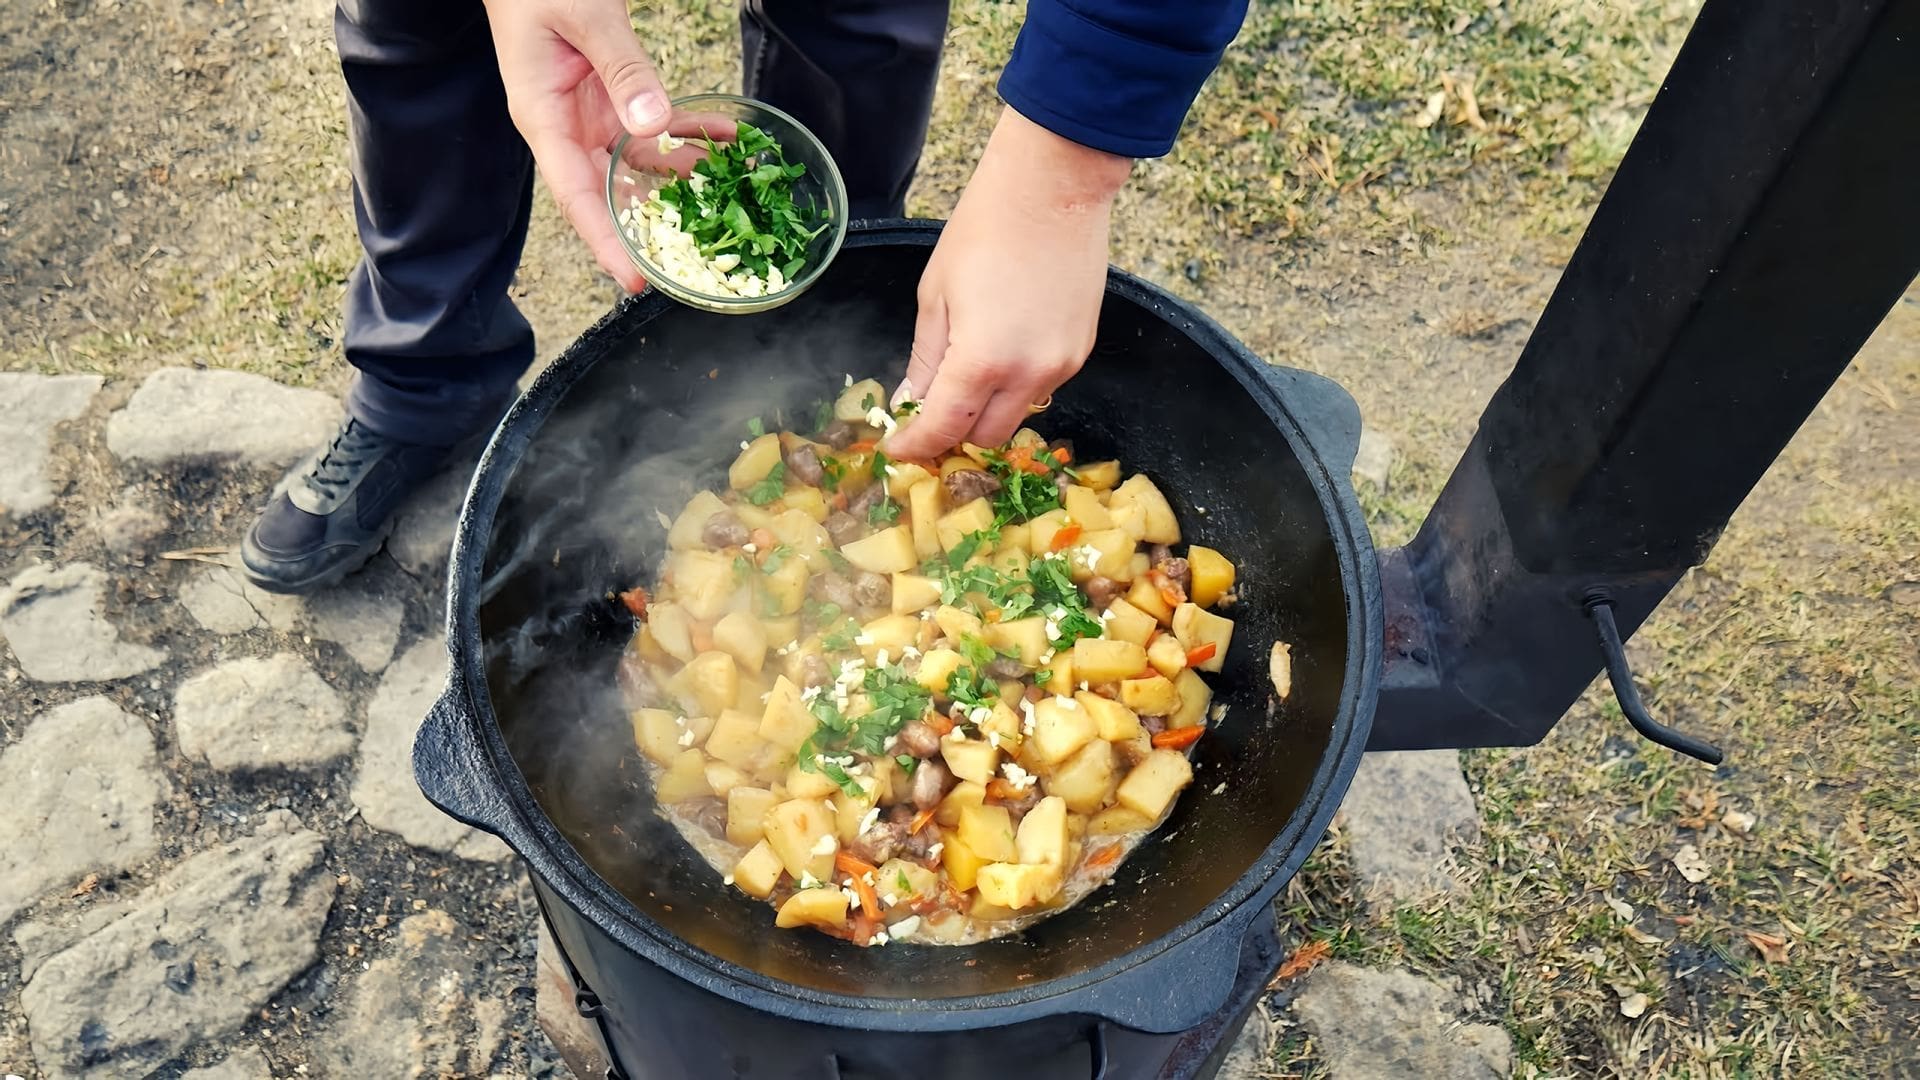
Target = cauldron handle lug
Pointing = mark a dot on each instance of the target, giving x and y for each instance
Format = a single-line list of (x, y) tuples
[(1182, 986), (449, 765), (1326, 413)]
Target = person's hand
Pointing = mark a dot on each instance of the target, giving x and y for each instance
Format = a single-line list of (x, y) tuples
[(576, 76), (1010, 300)]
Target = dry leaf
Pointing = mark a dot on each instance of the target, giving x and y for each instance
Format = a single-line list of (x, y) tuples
[(1690, 864), (1704, 806), (1302, 961), (1633, 1006), (1469, 111), (1272, 118), (1429, 116), (1280, 669), (1645, 938), (87, 885), (1621, 908), (1771, 949), (1738, 821)]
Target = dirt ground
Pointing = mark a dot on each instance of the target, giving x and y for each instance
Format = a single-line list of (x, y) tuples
[(173, 190)]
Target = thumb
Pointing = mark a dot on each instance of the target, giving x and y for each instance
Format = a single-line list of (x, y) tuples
[(606, 39)]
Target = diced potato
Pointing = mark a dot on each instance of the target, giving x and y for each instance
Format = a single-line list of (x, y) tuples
[(1099, 660), (810, 501), (982, 911), (710, 683), (800, 531), (1117, 820), (960, 862), (687, 529), (1138, 746), (855, 401), (758, 871), (1025, 638), (1084, 780), (1146, 597), (1195, 627), (1083, 506), (1130, 519), (849, 812), (722, 778), (785, 722), (781, 629), (1128, 623), (684, 780), (736, 739), (801, 833), (1113, 555), (813, 907), (1042, 837), (659, 733), (1012, 562), (742, 637), (1062, 667), (904, 477), (964, 794), (957, 524), (913, 593), (753, 517), (786, 588), (1041, 530), (1167, 655), (702, 581), (905, 882), (1005, 725), (936, 667), (971, 760), (1154, 695), (646, 648), (1112, 721), (988, 830), (672, 629), (890, 634), (1014, 538), (888, 551), (747, 814), (926, 501), (1212, 575), (959, 623), (1018, 886), (1154, 783), (1076, 825), (1099, 475), (1162, 528), (1195, 696), (1060, 728), (809, 783), (755, 462)]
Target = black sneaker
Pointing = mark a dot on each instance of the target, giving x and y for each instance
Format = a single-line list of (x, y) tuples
[(332, 514)]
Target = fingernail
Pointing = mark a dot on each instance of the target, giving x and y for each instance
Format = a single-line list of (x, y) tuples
[(647, 110)]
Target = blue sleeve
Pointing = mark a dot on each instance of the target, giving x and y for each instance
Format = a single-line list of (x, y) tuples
[(1117, 75)]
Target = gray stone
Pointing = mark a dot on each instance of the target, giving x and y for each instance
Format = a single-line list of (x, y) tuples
[(1395, 1025), (245, 1063), (52, 619), (1374, 462), (384, 790), (423, 529), (428, 1008), (261, 714), (182, 414), (35, 404), (81, 787), (222, 600), (367, 627), (129, 986), (1405, 811)]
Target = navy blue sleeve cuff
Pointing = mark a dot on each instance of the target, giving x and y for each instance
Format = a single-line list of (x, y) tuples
[(1121, 77)]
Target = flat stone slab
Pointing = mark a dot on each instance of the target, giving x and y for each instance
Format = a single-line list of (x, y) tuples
[(129, 986), (1395, 1025), (261, 714), (222, 600), (51, 618), (181, 414), (35, 404), (1373, 462), (385, 791), (423, 528), (81, 788), (243, 1064), (1405, 811), (430, 1007), (366, 626)]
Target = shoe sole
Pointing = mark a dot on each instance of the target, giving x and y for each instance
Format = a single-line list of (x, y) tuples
[(327, 578)]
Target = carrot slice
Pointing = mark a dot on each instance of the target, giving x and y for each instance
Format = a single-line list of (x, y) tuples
[(1179, 738), (862, 446), (848, 863), (1067, 535), (920, 820), (869, 903), (940, 722), (763, 539), (1106, 856), (1201, 654), (999, 788), (636, 601)]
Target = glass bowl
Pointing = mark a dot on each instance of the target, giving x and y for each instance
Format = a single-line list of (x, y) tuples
[(638, 168)]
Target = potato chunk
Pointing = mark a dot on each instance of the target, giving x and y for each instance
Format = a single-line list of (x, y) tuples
[(1212, 575), (970, 760), (889, 551), (988, 830), (936, 667), (710, 683), (1117, 820), (736, 739), (800, 831), (913, 593), (1084, 780), (1016, 885), (964, 521), (755, 462), (686, 533), (1042, 836), (813, 907), (1154, 783), (1195, 696), (1099, 660), (1197, 627), (1060, 728), (1128, 623), (661, 734), (855, 401), (757, 872), (1154, 695), (1025, 638), (1146, 597), (741, 636), (684, 780), (747, 814), (1162, 526), (702, 582), (1112, 721), (1167, 655), (672, 629), (785, 722), (961, 862), (1085, 508), (926, 501), (964, 794)]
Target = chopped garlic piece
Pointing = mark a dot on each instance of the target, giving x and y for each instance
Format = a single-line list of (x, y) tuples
[(826, 845)]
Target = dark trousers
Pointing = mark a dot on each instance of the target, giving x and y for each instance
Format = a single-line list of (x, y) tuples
[(442, 183)]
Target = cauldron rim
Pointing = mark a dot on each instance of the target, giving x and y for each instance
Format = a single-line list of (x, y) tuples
[(464, 766)]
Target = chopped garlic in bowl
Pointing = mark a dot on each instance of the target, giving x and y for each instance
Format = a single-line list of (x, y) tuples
[(655, 226)]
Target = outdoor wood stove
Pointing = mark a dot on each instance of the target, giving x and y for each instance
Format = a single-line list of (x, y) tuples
[(1763, 222)]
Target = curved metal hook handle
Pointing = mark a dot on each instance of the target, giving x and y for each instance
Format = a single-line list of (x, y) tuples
[(1600, 607)]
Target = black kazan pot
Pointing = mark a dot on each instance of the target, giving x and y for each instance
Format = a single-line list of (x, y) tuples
[(689, 979)]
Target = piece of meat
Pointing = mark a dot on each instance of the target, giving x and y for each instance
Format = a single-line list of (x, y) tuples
[(871, 589), (931, 782), (843, 528), (1033, 693), (919, 739), (723, 530), (1158, 553), (832, 588), (803, 464), (912, 845), (878, 843), (838, 434), (1006, 667), (1018, 805), (1154, 724), (813, 670), (1178, 572), (709, 814), (636, 682), (865, 500), (966, 485), (1101, 591)]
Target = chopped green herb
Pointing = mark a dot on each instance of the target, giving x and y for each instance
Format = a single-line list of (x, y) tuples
[(836, 773), (883, 512), (1023, 496), (770, 488), (841, 640), (896, 698), (822, 416), (977, 652), (823, 612), (900, 879), (878, 468), (1054, 592), (742, 570), (745, 204), (838, 561), (907, 408), (778, 555), (867, 403), (755, 428), (907, 762), (832, 471), (1041, 677)]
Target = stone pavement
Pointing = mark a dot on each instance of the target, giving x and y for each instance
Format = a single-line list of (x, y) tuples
[(213, 859)]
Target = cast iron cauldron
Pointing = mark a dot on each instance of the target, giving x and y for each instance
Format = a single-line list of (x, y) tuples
[(530, 742)]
